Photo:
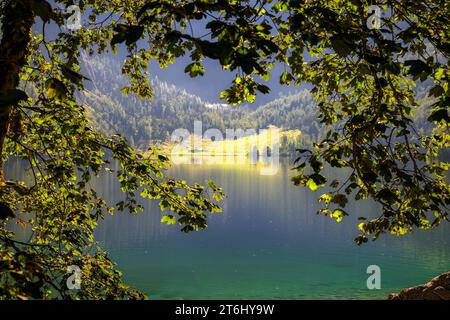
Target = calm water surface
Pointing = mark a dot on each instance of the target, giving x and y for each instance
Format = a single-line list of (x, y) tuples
[(267, 244)]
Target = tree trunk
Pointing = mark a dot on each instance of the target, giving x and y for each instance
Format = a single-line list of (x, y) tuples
[(17, 21)]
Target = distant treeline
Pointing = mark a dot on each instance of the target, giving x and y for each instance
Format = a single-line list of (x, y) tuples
[(144, 122)]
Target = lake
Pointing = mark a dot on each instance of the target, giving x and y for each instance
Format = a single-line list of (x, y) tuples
[(268, 243)]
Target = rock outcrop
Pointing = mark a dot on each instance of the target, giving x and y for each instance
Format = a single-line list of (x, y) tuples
[(436, 289)]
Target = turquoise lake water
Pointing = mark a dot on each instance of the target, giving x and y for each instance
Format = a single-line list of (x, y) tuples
[(268, 243)]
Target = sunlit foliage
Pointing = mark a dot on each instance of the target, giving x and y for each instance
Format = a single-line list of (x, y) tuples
[(363, 80)]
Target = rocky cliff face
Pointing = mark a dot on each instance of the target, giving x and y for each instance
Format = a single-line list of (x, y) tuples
[(436, 289)]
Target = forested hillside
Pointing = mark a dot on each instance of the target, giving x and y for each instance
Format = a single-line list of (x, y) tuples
[(143, 122)]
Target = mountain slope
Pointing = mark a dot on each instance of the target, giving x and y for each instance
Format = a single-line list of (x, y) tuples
[(143, 122)]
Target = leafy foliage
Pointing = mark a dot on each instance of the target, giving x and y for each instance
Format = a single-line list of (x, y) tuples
[(362, 79), (58, 207)]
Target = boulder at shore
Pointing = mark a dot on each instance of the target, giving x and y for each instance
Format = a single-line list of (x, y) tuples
[(436, 289)]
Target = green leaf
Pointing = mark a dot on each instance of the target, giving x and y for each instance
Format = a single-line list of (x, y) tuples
[(334, 183), (341, 46), (436, 91), (439, 115), (134, 33), (149, 5), (325, 198), (361, 239), (211, 184), (163, 204), (316, 181), (127, 34), (55, 88), (263, 88), (338, 214), (72, 75), (299, 179), (195, 69), (387, 195), (168, 219), (340, 199), (162, 158), (417, 67), (121, 34), (286, 78)]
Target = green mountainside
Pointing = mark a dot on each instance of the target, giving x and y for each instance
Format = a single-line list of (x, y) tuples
[(144, 122)]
